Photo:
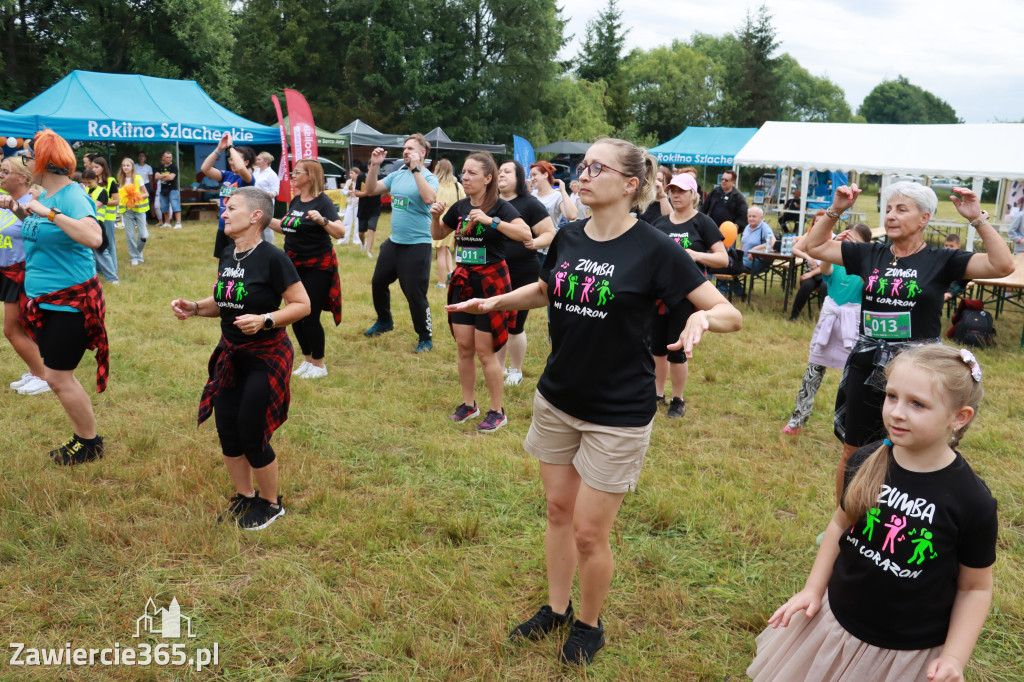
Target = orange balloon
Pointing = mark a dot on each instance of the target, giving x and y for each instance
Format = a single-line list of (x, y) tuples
[(728, 230)]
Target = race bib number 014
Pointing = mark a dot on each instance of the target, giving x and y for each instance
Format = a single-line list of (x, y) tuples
[(400, 203), (471, 256), (887, 325)]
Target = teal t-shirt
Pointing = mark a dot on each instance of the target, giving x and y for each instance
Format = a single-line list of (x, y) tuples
[(843, 288), (410, 217), (53, 260)]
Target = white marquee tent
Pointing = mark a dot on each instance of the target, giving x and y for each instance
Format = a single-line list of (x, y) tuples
[(978, 151)]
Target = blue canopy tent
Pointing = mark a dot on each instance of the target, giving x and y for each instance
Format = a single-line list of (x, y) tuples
[(13, 125), (704, 146), (108, 107)]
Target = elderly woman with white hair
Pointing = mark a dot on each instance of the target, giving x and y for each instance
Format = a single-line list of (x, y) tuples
[(264, 178), (902, 299)]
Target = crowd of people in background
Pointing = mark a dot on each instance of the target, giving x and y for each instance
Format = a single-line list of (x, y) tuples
[(623, 259)]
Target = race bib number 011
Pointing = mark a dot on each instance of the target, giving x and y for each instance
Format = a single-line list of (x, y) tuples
[(471, 256), (887, 325)]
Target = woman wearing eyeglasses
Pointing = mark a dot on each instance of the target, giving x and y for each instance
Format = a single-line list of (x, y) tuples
[(64, 309), (594, 406), (15, 179)]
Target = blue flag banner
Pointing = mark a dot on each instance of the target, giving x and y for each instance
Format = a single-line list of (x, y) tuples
[(523, 152)]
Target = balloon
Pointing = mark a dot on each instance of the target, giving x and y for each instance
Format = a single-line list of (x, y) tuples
[(12, 142), (728, 230)]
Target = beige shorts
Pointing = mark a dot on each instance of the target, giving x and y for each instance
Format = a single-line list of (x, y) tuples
[(608, 458)]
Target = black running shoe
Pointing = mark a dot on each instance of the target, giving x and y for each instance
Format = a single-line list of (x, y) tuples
[(541, 624), (676, 409), (584, 641), (261, 514), (238, 506), (77, 451)]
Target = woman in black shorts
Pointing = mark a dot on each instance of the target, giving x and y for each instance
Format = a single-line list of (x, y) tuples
[(523, 266), (699, 235), (594, 407), (251, 366), (901, 305), (483, 224), (64, 309), (311, 221)]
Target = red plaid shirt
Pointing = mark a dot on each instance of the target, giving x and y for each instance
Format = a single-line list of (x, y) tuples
[(328, 262), (86, 298), (15, 273), (494, 281), (275, 350)]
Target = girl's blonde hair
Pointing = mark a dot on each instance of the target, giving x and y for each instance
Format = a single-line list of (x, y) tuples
[(636, 163), (445, 172), (957, 387), (19, 166), (121, 177)]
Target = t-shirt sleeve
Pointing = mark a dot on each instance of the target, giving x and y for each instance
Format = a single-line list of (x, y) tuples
[(505, 211), (282, 272), (432, 181), (977, 548), (675, 274), (102, 197), (114, 187), (709, 231), (854, 256), (77, 204), (956, 265), (533, 212), (327, 208), (388, 180)]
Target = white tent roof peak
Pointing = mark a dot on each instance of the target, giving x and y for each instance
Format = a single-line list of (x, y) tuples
[(991, 150)]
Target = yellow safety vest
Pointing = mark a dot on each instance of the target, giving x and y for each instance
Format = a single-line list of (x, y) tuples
[(107, 212), (141, 207), (100, 211)]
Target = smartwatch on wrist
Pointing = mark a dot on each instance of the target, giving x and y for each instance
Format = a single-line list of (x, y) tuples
[(268, 321), (497, 221), (415, 169)]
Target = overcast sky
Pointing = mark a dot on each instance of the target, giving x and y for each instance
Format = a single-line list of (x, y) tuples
[(970, 54)]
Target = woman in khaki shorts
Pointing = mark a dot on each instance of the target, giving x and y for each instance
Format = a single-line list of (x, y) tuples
[(595, 403)]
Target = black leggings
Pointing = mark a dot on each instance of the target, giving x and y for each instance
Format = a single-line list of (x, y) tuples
[(241, 413), (410, 265), (803, 294), (62, 339), (521, 272), (308, 331)]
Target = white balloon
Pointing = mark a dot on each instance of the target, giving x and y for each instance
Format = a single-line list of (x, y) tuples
[(12, 142)]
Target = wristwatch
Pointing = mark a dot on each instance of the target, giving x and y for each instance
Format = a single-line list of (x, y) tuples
[(497, 221), (415, 169), (54, 212), (268, 321)]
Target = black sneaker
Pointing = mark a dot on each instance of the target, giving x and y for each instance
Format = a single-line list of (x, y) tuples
[(541, 624), (659, 401), (584, 641), (677, 408), (238, 506), (77, 451), (261, 514)]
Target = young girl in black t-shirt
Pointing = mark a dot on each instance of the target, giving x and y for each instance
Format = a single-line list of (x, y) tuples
[(483, 224), (594, 407), (903, 581)]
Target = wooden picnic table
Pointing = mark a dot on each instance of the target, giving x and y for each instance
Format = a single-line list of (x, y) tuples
[(1009, 289), (788, 279)]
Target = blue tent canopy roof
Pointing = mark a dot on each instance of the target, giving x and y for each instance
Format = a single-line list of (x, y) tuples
[(704, 146), (13, 125), (85, 105)]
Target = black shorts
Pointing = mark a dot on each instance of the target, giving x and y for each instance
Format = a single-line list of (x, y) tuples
[(482, 322), (369, 222), (862, 420), (9, 291), (62, 339), (223, 241), (665, 329), (521, 272)]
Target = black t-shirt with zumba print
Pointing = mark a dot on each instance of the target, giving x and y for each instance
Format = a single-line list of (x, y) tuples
[(894, 581), (699, 233), (302, 235), (252, 286), (600, 368), (478, 244), (903, 301)]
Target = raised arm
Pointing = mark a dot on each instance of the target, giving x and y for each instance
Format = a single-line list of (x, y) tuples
[(997, 261), (207, 168), (818, 241), (714, 314), (568, 205), (438, 230), (543, 234), (524, 298), (372, 187)]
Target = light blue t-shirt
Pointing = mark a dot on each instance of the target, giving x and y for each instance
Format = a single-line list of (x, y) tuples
[(410, 216), (53, 260), (843, 287), (762, 234)]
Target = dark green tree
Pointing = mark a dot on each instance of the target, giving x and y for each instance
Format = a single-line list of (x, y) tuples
[(753, 91), (601, 59), (804, 97), (900, 101)]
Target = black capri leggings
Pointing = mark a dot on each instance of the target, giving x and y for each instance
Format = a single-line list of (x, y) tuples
[(308, 331), (522, 271), (241, 412), (62, 339)]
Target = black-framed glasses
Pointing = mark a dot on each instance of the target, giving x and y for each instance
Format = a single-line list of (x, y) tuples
[(25, 153), (594, 168)]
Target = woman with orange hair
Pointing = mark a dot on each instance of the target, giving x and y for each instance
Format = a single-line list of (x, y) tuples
[(64, 308)]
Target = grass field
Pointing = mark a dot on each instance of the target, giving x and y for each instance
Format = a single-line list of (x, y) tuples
[(411, 545)]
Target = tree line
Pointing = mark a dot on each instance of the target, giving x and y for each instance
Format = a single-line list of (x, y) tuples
[(481, 69)]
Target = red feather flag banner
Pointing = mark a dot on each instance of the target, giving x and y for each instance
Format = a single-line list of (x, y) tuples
[(303, 130), (284, 171)]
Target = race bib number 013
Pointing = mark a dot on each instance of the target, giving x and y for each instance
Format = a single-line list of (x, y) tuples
[(887, 325), (471, 256)]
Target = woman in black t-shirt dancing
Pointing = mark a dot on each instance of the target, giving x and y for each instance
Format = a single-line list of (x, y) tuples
[(311, 222), (483, 224), (594, 407), (250, 367)]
